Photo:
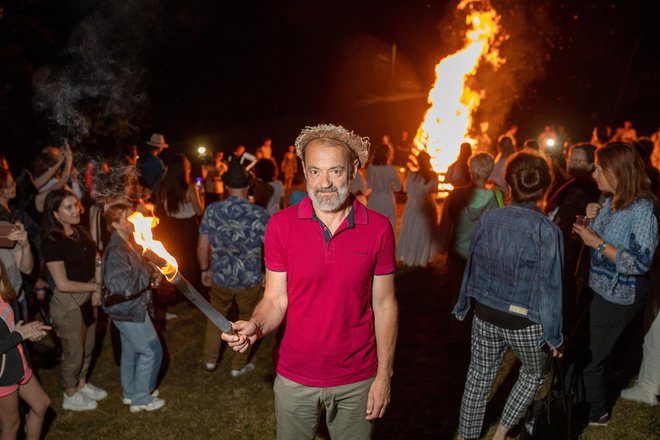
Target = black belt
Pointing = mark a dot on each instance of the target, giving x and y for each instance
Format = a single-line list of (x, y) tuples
[(110, 299)]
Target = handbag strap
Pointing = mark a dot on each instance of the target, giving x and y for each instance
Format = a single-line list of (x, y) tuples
[(558, 377)]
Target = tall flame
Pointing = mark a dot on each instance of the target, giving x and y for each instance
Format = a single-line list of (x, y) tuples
[(448, 121), (144, 237)]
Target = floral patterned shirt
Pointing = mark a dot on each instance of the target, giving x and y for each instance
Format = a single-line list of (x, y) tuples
[(235, 229)]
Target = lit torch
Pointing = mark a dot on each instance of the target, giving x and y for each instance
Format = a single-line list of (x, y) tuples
[(154, 251)]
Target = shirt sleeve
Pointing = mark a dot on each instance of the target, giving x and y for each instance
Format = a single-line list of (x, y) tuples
[(205, 225), (551, 288), (636, 256), (264, 218), (50, 251), (385, 259), (10, 341)]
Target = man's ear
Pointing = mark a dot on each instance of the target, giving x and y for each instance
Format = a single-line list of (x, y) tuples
[(354, 170)]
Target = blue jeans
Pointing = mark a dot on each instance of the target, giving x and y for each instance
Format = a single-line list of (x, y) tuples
[(141, 356)]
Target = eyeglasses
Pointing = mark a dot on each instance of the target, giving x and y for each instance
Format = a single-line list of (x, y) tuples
[(9, 185)]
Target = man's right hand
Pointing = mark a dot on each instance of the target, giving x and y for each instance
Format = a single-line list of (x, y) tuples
[(245, 334)]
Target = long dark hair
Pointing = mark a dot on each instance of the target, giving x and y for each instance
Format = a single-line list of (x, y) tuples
[(382, 155), (425, 170), (175, 184), (51, 227)]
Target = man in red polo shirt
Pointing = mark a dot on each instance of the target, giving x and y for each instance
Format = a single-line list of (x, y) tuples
[(330, 271)]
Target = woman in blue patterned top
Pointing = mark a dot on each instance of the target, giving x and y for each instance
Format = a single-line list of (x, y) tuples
[(623, 237)]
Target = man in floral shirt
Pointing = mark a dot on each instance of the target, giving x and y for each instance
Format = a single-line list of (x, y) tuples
[(230, 256)]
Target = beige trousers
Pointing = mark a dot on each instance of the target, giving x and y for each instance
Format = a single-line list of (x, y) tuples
[(222, 299), (77, 340)]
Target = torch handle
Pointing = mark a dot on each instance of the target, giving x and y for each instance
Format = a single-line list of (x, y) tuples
[(202, 304)]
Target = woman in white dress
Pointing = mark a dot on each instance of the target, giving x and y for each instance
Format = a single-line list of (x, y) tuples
[(417, 244), (383, 181)]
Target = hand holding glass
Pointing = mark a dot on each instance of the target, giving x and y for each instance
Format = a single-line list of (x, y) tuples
[(582, 220)]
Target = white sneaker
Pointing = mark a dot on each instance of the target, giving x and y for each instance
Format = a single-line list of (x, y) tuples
[(248, 368), (78, 402), (210, 366), (93, 392), (156, 403), (639, 394), (127, 401)]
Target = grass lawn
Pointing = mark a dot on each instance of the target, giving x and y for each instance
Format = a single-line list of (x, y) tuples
[(426, 389)]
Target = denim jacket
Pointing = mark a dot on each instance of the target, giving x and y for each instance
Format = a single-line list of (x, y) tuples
[(633, 231), (515, 265), (126, 272)]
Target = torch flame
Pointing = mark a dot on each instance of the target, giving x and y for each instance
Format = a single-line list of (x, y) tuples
[(448, 121), (144, 237)]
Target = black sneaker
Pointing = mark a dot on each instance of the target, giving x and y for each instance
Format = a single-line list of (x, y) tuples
[(603, 420)]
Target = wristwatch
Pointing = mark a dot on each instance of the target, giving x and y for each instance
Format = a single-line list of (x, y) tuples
[(601, 247)]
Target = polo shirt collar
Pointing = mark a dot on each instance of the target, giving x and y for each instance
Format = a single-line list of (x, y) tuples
[(357, 215)]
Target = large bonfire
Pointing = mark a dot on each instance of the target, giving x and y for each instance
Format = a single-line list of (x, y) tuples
[(448, 121)]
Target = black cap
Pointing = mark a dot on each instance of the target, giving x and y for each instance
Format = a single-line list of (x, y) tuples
[(236, 175)]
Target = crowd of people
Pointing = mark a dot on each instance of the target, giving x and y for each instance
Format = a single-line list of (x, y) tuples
[(316, 234)]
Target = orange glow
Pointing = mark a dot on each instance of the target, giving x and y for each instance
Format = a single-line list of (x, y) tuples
[(448, 121), (144, 237)]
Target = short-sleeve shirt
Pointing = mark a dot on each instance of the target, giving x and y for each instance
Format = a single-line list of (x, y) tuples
[(329, 339), (78, 254), (235, 229)]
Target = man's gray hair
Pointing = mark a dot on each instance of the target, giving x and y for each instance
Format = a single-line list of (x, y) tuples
[(359, 146)]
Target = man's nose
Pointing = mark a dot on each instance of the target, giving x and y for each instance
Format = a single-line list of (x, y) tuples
[(325, 180)]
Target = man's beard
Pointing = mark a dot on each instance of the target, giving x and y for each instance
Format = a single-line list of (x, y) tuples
[(329, 203)]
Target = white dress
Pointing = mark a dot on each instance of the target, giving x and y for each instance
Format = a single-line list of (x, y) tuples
[(417, 244), (383, 180)]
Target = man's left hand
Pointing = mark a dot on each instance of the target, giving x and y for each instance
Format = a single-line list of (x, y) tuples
[(379, 398)]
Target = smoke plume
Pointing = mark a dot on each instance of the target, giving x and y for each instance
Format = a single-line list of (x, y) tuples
[(101, 78)]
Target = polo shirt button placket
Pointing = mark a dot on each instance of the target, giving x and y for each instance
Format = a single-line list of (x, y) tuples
[(330, 251)]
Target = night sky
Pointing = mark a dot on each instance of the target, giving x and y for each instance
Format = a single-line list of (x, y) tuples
[(222, 73)]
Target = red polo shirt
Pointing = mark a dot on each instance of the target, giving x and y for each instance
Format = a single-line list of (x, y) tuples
[(329, 337)]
